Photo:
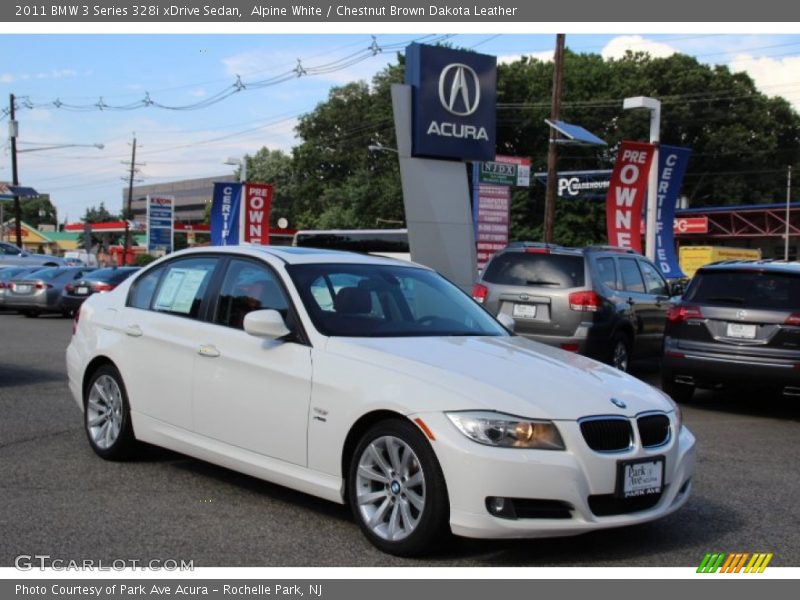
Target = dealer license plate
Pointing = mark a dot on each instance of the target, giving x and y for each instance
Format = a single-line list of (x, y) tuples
[(740, 330), (641, 477), (524, 311), (82, 290)]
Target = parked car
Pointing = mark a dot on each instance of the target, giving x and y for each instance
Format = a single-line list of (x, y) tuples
[(607, 303), (14, 256), (98, 280), (378, 383), (38, 292), (737, 326), (7, 273)]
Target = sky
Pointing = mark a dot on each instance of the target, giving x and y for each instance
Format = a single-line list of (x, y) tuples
[(93, 71)]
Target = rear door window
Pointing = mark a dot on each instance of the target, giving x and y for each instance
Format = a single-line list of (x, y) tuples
[(183, 285), (654, 282), (631, 276), (607, 272), (548, 270)]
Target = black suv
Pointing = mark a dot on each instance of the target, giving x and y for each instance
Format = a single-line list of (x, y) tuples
[(605, 302), (737, 325)]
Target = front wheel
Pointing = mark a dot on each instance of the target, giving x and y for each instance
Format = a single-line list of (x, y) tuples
[(107, 417), (397, 491), (620, 352)]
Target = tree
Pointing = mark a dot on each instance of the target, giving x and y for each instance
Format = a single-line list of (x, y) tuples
[(741, 140), (99, 214), (39, 211)]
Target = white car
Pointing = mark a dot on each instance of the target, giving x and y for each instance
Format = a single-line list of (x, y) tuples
[(377, 383)]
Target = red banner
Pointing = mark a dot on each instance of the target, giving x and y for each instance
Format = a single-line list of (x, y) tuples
[(257, 201), (626, 195), (690, 225)]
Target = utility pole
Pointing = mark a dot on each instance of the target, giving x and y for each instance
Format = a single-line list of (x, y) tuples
[(788, 200), (13, 130), (552, 149), (129, 209)]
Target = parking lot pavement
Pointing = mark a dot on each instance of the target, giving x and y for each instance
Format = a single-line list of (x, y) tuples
[(59, 499)]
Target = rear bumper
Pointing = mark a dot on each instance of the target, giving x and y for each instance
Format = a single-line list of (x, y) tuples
[(588, 341), (707, 369), (72, 302)]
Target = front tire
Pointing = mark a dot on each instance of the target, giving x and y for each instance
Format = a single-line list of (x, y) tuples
[(620, 352), (397, 491), (107, 417)]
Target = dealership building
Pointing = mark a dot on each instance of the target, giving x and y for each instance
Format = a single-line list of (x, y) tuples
[(191, 197)]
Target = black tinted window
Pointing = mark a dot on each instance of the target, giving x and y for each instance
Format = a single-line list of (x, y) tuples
[(631, 276), (753, 289), (607, 272), (248, 286), (653, 280), (522, 268)]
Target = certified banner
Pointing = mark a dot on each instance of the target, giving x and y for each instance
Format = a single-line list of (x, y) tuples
[(626, 194), (160, 222), (225, 211), (257, 202), (672, 161)]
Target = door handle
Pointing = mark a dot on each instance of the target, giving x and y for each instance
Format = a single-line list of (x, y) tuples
[(631, 301), (208, 350), (133, 330)]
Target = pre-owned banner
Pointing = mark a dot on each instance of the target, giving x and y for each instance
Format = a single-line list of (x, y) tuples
[(672, 161), (257, 202), (225, 211), (627, 193)]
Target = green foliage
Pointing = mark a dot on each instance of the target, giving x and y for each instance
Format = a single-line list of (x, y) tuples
[(741, 139), (38, 211), (99, 214), (142, 260)]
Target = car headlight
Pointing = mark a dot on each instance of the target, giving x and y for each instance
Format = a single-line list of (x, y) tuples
[(507, 431), (676, 407)]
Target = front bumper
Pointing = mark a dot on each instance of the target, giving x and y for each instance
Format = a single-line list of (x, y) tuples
[(474, 472)]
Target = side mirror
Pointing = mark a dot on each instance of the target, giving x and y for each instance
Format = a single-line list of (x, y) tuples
[(506, 321), (677, 288), (265, 323)]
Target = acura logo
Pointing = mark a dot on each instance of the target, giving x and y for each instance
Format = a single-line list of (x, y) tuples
[(618, 403), (459, 89), (741, 314)]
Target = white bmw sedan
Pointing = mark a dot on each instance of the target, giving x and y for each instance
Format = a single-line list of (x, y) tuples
[(377, 383)]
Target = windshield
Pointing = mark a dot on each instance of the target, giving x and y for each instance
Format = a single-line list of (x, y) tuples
[(355, 300), (750, 288)]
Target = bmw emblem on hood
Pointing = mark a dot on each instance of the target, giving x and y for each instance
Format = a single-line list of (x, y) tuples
[(618, 403)]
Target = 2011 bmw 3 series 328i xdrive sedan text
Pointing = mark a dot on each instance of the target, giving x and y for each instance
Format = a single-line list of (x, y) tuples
[(377, 383)]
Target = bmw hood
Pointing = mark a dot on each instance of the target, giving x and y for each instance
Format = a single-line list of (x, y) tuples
[(509, 374)]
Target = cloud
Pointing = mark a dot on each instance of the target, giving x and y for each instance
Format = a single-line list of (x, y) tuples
[(6, 78), (618, 46), (198, 93), (773, 77)]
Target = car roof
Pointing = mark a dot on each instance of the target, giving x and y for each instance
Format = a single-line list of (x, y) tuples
[(299, 255), (771, 266)]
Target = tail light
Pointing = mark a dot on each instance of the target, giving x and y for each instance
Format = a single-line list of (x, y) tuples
[(103, 287), (479, 293), (584, 301), (570, 347), (2, 285), (680, 314), (42, 286), (69, 287), (792, 319)]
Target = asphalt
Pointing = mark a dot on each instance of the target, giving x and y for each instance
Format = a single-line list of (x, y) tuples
[(58, 498)]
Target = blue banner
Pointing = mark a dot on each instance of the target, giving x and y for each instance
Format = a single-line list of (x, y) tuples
[(672, 161), (225, 210)]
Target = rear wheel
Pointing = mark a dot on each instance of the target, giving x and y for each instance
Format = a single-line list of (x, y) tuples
[(107, 417), (620, 352), (397, 491)]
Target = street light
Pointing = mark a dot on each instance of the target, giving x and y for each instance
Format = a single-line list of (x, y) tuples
[(654, 106), (380, 148), (241, 163), (55, 146)]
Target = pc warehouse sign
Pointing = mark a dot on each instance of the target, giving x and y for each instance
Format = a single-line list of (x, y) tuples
[(453, 102)]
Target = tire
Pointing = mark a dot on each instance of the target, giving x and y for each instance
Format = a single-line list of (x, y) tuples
[(680, 392), (30, 314), (620, 357), (405, 497), (107, 417)]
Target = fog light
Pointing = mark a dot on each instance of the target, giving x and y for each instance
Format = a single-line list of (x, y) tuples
[(501, 507)]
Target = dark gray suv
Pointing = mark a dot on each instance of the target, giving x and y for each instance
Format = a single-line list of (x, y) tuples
[(738, 325), (607, 303)]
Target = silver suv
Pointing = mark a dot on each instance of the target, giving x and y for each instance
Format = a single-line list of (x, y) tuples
[(605, 302), (12, 256)]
